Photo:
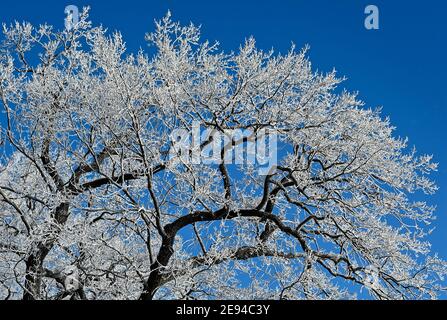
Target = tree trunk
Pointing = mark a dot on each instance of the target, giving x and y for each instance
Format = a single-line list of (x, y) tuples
[(34, 262), (155, 278)]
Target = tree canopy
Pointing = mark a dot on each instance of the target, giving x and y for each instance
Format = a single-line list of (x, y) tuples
[(93, 205)]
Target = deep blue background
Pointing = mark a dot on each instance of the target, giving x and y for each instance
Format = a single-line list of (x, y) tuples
[(401, 67)]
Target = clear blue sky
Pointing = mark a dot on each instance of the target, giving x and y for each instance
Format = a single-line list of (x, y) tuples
[(401, 67)]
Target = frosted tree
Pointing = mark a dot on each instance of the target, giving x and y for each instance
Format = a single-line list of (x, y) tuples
[(93, 205)]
